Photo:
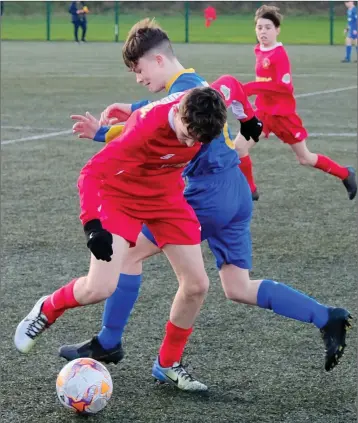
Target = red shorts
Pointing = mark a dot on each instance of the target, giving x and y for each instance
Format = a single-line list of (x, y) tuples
[(288, 129), (172, 222)]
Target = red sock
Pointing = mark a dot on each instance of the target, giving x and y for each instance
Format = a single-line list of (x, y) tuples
[(173, 344), (246, 168), (329, 166), (61, 300)]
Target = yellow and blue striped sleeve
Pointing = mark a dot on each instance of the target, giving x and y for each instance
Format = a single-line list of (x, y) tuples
[(108, 133)]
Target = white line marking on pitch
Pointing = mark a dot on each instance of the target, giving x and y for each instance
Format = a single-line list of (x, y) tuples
[(335, 90), (37, 137), (29, 128), (331, 134)]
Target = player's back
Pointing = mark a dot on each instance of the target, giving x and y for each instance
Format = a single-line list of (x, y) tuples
[(152, 158), (352, 17), (212, 158)]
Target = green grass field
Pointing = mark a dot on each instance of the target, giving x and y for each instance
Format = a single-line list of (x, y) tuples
[(227, 29), (260, 368)]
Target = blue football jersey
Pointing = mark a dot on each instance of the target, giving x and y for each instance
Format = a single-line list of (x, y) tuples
[(215, 157), (352, 18)]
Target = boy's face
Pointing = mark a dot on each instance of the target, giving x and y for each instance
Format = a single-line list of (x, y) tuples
[(266, 32), (349, 4), (150, 72)]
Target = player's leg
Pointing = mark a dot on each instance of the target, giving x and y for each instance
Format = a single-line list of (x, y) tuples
[(188, 265), (346, 174), (99, 284), (84, 30), (178, 233), (119, 306), (242, 146), (232, 248), (347, 58), (107, 345), (76, 25), (286, 301)]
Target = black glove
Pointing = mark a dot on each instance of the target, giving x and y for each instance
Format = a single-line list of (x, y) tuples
[(99, 241), (251, 129)]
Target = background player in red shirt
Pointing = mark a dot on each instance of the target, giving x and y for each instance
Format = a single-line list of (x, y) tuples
[(209, 15), (276, 105), (133, 180)]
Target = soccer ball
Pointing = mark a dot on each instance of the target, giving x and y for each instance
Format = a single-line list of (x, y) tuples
[(84, 386)]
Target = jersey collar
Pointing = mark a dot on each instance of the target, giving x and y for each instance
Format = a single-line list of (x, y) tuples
[(171, 81), (270, 48), (171, 118)]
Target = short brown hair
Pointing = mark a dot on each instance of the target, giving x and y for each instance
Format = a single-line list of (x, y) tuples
[(269, 12), (204, 113), (144, 36)]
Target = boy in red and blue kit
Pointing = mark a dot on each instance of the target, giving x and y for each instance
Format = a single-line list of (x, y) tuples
[(221, 199)]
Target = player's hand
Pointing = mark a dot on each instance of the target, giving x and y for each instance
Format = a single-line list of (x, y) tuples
[(354, 32), (251, 129), (86, 126), (345, 31), (115, 113), (99, 240)]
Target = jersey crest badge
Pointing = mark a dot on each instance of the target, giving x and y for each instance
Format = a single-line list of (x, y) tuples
[(266, 63)]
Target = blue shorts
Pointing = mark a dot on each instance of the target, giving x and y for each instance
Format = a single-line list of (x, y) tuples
[(223, 204), (351, 35)]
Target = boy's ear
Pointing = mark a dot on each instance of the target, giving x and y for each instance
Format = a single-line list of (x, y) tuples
[(159, 59), (176, 109)]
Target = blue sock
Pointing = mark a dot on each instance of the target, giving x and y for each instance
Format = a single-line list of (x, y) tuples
[(348, 52), (117, 310), (288, 302)]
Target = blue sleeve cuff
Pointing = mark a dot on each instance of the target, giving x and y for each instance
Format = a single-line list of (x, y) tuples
[(138, 104), (101, 134)]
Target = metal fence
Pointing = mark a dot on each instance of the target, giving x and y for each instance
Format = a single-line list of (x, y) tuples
[(184, 21)]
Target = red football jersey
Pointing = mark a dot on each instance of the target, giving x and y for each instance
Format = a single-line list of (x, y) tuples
[(143, 167), (273, 86)]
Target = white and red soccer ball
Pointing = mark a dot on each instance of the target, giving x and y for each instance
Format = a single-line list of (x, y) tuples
[(84, 386)]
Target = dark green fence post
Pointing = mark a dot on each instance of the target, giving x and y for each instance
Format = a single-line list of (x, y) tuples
[(331, 23), (48, 21), (187, 9), (116, 21)]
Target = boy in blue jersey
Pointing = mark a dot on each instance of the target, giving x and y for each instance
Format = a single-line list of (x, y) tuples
[(351, 30), (221, 198)]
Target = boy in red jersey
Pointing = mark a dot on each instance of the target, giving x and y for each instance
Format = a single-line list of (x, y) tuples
[(137, 179), (276, 104)]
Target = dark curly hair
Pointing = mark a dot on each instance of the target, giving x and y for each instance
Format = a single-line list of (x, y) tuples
[(204, 113)]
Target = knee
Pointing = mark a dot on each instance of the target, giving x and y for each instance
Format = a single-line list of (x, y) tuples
[(307, 159), (99, 290), (196, 287), (242, 150), (238, 291), (133, 264)]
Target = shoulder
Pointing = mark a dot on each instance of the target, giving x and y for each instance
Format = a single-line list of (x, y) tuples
[(187, 81), (281, 52), (152, 118)]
